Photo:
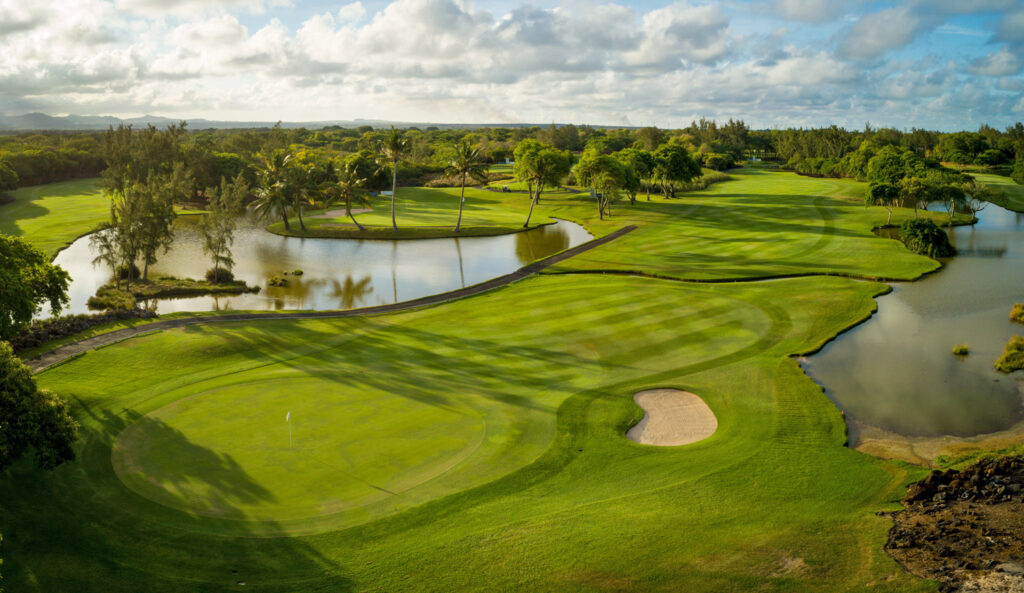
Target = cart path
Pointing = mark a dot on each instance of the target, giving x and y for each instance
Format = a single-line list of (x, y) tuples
[(62, 353)]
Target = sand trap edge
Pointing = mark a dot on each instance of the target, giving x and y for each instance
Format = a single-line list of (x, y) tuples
[(672, 417)]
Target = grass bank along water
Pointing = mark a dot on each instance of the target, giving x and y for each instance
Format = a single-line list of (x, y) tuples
[(894, 376)]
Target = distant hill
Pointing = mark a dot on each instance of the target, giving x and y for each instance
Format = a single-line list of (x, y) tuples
[(44, 122)]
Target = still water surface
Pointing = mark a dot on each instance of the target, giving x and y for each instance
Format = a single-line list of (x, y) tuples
[(897, 371), (337, 273)]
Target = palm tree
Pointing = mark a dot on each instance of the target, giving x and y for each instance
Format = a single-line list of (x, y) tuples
[(393, 148), (104, 243), (274, 191), (302, 184), (344, 184), (466, 161)]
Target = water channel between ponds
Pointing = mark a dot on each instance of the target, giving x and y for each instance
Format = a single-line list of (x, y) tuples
[(337, 273), (897, 373)]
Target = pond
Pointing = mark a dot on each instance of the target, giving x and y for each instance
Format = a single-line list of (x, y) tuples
[(897, 372), (337, 273)]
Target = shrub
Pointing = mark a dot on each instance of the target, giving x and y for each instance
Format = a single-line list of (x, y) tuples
[(219, 275), (961, 350), (1013, 357), (922, 236), (1017, 313), (277, 281), (110, 298), (298, 273), (133, 269), (42, 331)]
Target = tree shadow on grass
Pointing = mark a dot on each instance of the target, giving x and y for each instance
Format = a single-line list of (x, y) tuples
[(425, 366), (80, 529)]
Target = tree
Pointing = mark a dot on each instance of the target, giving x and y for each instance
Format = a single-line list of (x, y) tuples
[(8, 177), (1018, 167), (466, 161), (273, 195), (673, 164), (978, 195), (639, 165), (108, 251), (31, 419), (156, 224), (218, 227), (885, 195), (345, 185), (915, 191), (605, 176), (394, 146), (953, 198), (540, 165), (27, 280)]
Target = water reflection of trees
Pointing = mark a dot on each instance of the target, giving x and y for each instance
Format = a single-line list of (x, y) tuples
[(540, 243), (351, 293)]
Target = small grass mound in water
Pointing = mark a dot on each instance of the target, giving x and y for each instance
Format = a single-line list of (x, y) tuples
[(961, 350), (1013, 357), (112, 298), (923, 236), (1017, 313)]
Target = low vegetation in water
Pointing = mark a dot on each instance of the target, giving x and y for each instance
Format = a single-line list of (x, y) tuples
[(110, 297), (277, 281), (923, 236), (1013, 357), (961, 350), (1017, 313)]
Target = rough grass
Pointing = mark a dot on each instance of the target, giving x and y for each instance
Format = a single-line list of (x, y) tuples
[(1017, 313), (553, 498), (52, 216)]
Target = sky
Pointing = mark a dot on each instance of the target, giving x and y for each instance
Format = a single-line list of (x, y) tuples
[(937, 64)]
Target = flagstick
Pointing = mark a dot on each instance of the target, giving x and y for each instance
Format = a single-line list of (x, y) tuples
[(289, 434)]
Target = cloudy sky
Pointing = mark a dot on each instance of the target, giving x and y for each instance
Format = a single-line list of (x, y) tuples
[(941, 64)]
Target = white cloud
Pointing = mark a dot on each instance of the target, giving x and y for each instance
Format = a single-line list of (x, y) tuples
[(812, 11), (999, 63), (875, 34), (192, 8)]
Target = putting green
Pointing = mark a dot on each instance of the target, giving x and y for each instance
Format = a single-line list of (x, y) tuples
[(348, 448)]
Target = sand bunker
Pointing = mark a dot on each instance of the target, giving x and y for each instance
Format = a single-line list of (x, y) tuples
[(341, 213), (672, 418)]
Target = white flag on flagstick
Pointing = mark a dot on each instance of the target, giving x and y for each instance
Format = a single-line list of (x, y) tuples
[(288, 417)]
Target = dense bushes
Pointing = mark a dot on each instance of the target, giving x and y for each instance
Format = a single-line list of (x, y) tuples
[(922, 236), (1013, 357), (42, 331), (34, 166), (217, 275), (8, 177)]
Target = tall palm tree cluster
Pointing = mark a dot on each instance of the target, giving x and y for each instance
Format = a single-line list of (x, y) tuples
[(289, 185)]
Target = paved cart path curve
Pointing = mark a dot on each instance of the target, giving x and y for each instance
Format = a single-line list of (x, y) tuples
[(62, 353)]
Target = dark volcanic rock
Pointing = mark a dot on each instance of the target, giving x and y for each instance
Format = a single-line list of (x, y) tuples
[(962, 526)]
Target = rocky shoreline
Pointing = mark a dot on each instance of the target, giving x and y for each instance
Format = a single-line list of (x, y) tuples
[(965, 528)]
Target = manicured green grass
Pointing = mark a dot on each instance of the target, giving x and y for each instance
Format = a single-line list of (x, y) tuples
[(1013, 194), (52, 216), (424, 213), (762, 224), (486, 455), (479, 445)]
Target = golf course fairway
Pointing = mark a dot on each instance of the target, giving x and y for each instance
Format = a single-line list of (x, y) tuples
[(480, 444)]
